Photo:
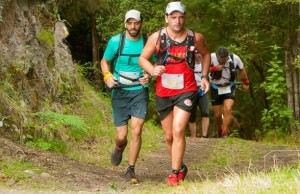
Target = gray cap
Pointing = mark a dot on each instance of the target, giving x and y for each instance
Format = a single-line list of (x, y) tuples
[(175, 6), (134, 14)]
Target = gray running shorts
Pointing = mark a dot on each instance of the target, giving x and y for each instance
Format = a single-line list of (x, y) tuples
[(127, 103)]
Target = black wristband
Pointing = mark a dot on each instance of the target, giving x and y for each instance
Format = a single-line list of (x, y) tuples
[(205, 76)]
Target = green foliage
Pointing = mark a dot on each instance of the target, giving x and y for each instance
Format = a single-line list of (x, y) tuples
[(61, 119), (56, 13), (87, 70), (297, 62), (50, 131), (277, 116), (110, 19), (7, 90), (46, 37), (10, 97), (286, 1), (248, 28), (47, 145)]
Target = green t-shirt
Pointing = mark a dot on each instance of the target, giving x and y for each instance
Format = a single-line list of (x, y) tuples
[(126, 65)]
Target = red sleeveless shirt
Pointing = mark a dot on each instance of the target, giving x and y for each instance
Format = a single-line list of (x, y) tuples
[(178, 77)]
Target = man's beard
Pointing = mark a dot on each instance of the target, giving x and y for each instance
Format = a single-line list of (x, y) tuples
[(135, 33)]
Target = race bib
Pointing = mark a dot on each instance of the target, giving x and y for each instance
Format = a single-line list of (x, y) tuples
[(172, 81), (127, 77), (224, 90)]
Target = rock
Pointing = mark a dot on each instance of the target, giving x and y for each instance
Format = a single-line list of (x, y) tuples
[(45, 175), (29, 172)]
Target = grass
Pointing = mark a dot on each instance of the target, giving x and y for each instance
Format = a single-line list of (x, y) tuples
[(232, 152), (16, 169), (281, 180), (25, 175)]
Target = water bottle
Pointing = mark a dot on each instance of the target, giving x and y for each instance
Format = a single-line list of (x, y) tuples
[(191, 56), (200, 92)]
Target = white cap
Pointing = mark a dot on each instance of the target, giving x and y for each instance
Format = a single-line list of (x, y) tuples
[(135, 14), (175, 6)]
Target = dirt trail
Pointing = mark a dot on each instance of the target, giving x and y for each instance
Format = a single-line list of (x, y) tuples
[(72, 176)]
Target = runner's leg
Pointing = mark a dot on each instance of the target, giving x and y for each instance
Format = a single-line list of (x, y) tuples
[(167, 125), (121, 135), (180, 121), (228, 103), (136, 139), (218, 116)]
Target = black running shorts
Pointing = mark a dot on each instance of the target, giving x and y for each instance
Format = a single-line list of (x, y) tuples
[(185, 101), (217, 99)]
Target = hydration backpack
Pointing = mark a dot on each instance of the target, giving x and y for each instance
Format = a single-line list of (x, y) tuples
[(121, 46), (119, 53), (232, 69), (218, 74), (165, 43)]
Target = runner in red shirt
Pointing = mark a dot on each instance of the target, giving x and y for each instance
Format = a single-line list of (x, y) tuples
[(176, 88)]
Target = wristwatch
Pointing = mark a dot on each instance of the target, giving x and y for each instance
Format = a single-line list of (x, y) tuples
[(205, 76)]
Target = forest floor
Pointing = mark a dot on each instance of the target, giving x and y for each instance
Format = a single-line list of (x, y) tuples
[(71, 176)]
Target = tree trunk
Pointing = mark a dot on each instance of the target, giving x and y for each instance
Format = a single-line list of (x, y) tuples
[(292, 73), (297, 53), (289, 82), (296, 92), (97, 73)]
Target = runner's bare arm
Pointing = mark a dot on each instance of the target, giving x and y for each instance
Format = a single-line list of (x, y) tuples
[(105, 65), (107, 75), (245, 79), (144, 59), (145, 79)]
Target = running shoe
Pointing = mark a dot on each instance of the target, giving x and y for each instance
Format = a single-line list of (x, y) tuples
[(117, 154), (173, 179), (182, 172), (130, 176), (223, 133)]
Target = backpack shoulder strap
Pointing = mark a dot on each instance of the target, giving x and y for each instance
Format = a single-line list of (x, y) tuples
[(191, 40), (119, 50), (121, 44), (162, 46), (162, 39), (190, 56), (159, 36), (232, 69), (122, 41), (232, 59), (145, 39), (231, 64)]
